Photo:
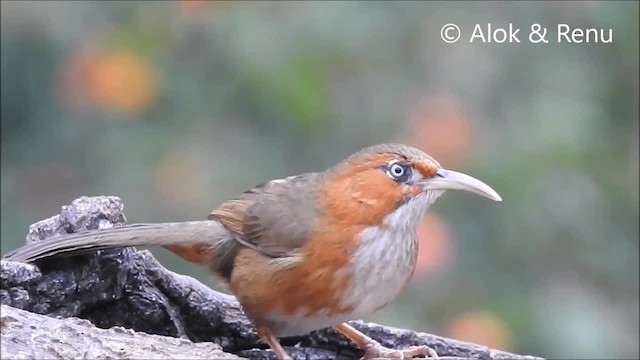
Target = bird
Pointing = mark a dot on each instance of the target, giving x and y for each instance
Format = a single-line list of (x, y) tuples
[(305, 252)]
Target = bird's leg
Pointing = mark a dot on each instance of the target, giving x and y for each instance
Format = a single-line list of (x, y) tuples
[(274, 343), (373, 349)]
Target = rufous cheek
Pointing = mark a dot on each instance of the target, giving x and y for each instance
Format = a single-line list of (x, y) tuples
[(363, 197)]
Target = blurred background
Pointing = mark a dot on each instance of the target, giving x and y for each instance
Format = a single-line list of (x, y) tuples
[(178, 106)]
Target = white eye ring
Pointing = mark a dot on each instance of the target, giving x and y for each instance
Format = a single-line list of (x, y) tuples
[(396, 170)]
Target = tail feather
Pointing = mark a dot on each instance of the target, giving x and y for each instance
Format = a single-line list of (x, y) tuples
[(207, 233)]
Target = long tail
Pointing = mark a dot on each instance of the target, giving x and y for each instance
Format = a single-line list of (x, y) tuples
[(187, 239)]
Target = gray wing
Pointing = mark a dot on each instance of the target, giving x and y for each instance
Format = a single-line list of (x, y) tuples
[(275, 218)]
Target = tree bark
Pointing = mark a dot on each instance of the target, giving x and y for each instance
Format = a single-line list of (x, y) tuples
[(138, 309)]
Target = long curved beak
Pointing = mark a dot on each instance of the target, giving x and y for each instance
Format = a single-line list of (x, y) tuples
[(453, 180)]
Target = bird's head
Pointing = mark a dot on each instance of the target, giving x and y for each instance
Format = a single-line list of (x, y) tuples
[(391, 184)]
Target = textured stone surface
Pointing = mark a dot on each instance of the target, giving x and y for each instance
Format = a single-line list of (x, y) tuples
[(130, 289), (27, 335)]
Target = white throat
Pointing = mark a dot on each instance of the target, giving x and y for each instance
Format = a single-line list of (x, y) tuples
[(386, 257), (409, 214)]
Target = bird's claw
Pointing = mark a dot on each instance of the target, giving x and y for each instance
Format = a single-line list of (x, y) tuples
[(377, 351)]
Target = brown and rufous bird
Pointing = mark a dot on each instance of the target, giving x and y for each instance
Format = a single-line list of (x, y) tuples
[(309, 251)]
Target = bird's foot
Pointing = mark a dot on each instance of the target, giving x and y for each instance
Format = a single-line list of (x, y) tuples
[(374, 350)]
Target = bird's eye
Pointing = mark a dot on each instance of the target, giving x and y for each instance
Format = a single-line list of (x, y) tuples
[(399, 172)]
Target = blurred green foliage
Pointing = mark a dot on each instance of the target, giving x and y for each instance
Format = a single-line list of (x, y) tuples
[(178, 106)]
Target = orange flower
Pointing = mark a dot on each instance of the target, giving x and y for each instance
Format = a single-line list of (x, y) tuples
[(439, 125), (122, 80), (482, 328), (434, 245)]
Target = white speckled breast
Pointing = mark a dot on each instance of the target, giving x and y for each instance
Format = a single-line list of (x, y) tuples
[(381, 267), (386, 258)]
